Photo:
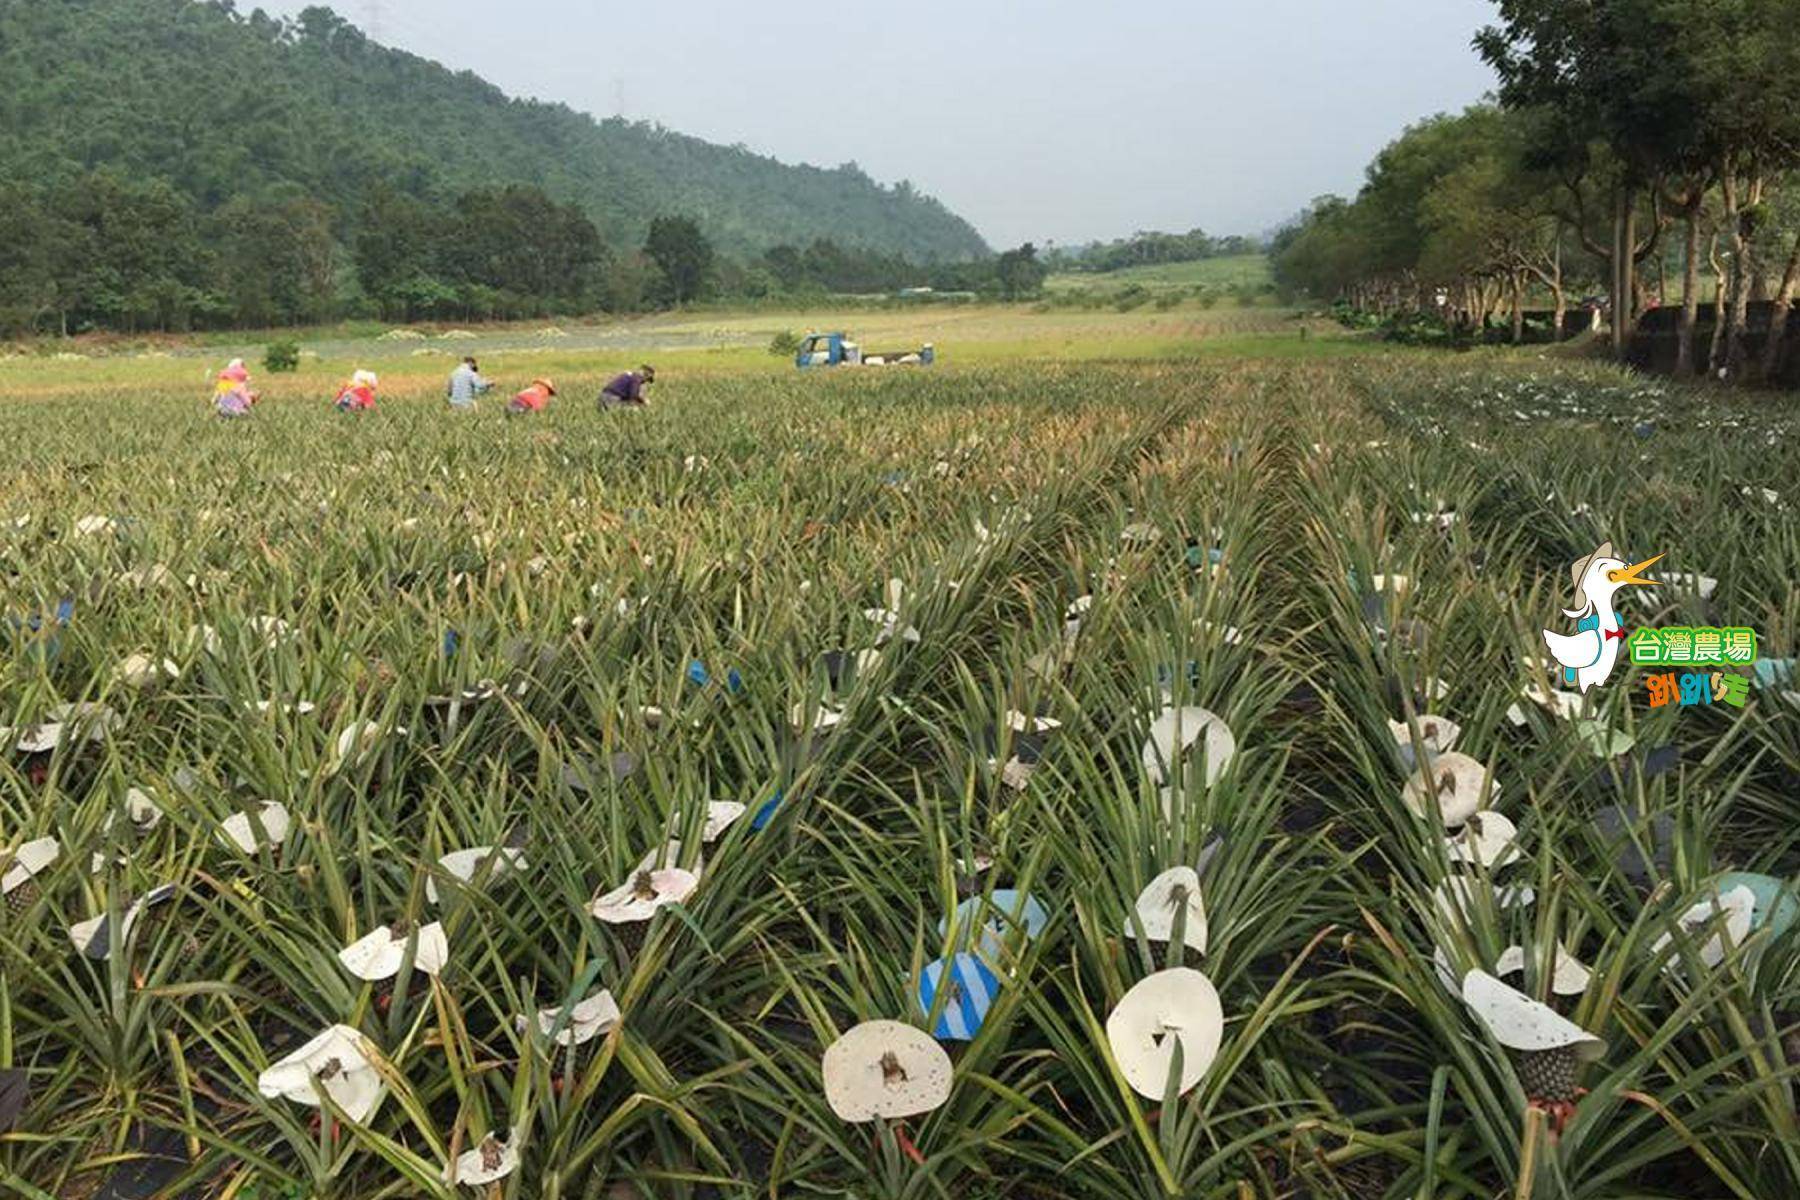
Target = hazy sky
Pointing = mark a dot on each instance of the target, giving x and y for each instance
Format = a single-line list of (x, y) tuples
[(1046, 120)]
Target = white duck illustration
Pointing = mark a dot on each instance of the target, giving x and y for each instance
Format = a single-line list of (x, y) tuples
[(1589, 655)]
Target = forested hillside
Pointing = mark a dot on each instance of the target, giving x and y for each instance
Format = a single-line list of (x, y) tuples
[(188, 123)]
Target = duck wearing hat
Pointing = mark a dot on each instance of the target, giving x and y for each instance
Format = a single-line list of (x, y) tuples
[(1590, 653)]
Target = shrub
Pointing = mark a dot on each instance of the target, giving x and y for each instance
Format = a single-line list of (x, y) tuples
[(282, 356), (1417, 329), (1132, 297), (785, 344), (1351, 317)]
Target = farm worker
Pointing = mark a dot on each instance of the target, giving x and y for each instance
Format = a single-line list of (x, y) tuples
[(466, 383), (359, 394), (535, 398), (627, 389), (232, 396)]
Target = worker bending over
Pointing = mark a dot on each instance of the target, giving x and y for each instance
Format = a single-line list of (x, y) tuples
[(359, 394), (627, 389), (535, 398), (232, 396)]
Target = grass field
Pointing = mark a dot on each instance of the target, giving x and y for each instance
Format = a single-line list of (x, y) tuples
[(924, 627), (585, 354), (1215, 274)]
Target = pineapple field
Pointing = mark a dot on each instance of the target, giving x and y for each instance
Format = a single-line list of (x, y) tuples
[(1010, 780)]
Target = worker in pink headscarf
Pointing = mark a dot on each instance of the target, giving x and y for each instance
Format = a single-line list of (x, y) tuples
[(358, 395), (232, 396)]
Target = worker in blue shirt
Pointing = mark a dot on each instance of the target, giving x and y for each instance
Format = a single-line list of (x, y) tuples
[(466, 383), (627, 389)]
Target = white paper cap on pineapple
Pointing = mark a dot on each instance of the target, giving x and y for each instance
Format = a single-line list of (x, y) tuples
[(581, 1022), (152, 576), (143, 671), (141, 809), (889, 618), (1704, 585), (1020, 722), (204, 638), (1488, 838), (1231, 635), (1175, 890), (92, 938), (464, 865), (1447, 972), (357, 742), (1520, 1023), (492, 1159), (1174, 1007), (808, 719), (333, 1062), (1568, 976), (1462, 785), (28, 860), (1458, 896), (1139, 533), (378, 954), (1436, 734), (93, 722), (273, 629), (720, 816), (1175, 730), (1564, 706), (1737, 905), (885, 1069), (298, 708), (669, 855), (638, 898), (35, 739), (241, 829)]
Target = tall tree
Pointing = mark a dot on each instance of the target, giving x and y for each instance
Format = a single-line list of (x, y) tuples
[(399, 243), (277, 259), (518, 240), (1594, 68), (1019, 273), (685, 257), (1741, 59)]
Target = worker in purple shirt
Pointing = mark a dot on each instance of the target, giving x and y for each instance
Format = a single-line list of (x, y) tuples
[(627, 389)]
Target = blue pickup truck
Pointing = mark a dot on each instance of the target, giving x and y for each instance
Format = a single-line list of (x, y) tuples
[(836, 350)]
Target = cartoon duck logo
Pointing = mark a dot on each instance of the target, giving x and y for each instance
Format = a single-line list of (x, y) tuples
[(1589, 655)]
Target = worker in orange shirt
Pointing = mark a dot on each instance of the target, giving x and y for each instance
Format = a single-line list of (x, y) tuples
[(535, 398)]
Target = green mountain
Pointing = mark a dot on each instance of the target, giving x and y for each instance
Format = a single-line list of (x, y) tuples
[(223, 106)]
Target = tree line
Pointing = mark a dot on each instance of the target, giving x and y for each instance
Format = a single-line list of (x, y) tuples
[(1149, 248), (824, 267), (99, 251), (1648, 150)]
